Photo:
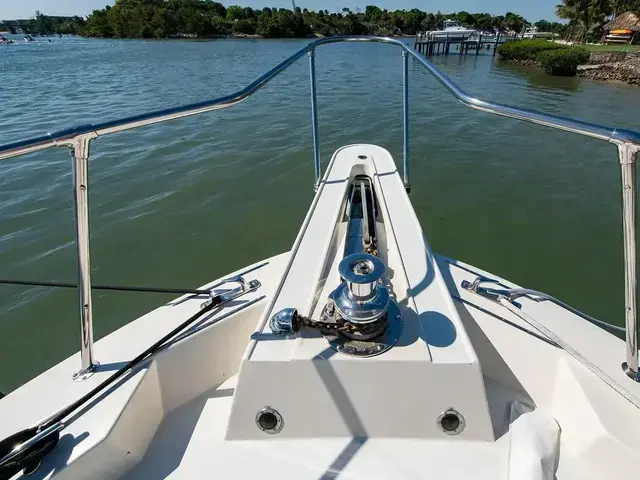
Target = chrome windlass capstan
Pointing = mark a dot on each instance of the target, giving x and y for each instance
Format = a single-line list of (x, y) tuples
[(362, 302), (360, 318), (361, 298)]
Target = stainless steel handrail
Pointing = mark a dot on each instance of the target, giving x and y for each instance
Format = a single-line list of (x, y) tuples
[(79, 138)]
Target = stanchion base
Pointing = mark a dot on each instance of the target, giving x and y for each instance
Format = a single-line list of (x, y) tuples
[(86, 373), (633, 375)]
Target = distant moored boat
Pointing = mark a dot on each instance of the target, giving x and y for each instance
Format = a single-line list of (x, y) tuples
[(452, 29)]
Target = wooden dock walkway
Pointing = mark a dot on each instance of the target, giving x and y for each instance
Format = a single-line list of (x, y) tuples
[(430, 44)]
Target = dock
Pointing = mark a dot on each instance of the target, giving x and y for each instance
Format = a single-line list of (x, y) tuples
[(430, 43)]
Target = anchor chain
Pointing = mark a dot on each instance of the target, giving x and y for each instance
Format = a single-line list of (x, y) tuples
[(342, 326), (289, 321)]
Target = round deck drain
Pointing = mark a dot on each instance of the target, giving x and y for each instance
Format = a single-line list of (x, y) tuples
[(451, 422), (269, 420)]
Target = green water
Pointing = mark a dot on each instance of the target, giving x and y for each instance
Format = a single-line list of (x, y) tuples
[(182, 203)]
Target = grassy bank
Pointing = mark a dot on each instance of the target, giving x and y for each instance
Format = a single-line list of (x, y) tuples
[(613, 48)]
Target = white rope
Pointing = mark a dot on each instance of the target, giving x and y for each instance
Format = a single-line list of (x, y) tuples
[(521, 292), (505, 302)]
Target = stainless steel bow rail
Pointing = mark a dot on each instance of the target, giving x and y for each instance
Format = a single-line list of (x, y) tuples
[(78, 140)]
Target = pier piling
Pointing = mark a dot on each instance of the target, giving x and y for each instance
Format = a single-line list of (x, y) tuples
[(432, 43)]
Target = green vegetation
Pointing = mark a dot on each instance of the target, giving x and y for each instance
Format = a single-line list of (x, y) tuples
[(552, 57), (587, 17), (46, 25), (612, 48), (621, 6), (526, 49), (562, 61), (207, 18)]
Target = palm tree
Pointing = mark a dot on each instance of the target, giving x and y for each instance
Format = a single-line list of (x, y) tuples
[(622, 6), (587, 15), (514, 22)]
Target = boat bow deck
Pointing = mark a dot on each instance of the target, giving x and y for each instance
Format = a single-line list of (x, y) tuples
[(194, 407)]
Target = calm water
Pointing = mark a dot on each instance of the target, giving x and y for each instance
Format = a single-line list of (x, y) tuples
[(182, 203)]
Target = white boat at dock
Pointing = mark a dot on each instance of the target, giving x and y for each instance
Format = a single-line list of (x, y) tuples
[(359, 353), (452, 30), (533, 33)]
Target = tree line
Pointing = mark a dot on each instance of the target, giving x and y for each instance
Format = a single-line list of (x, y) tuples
[(588, 17), (207, 18), (46, 25)]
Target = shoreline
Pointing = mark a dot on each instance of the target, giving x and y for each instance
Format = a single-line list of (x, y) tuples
[(615, 67), (188, 36), (621, 67)]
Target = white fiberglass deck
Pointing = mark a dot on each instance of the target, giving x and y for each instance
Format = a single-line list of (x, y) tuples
[(190, 411)]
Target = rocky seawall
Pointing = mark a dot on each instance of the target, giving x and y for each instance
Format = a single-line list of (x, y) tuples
[(613, 66)]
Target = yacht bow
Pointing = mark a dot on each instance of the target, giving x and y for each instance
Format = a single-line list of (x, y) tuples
[(358, 354)]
